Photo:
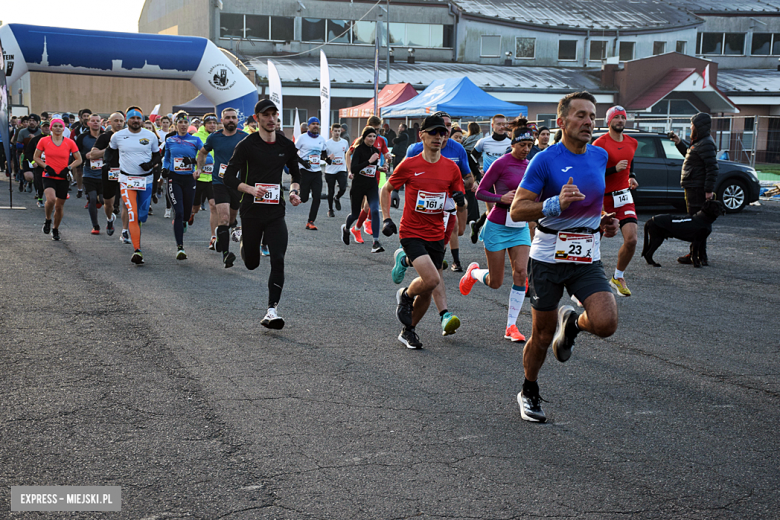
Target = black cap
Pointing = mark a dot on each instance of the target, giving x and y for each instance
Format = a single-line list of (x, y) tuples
[(432, 122), (264, 105), (35, 117)]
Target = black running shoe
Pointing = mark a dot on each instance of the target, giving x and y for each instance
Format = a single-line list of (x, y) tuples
[(79, 193), (563, 341), (47, 227), (410, 338), (474, 232), (138, 257), (55, 234), (109, 227), (531, 406), (377, 247), (337, 203), (229, 259), (344, 234), (405, 305), (330, 213)]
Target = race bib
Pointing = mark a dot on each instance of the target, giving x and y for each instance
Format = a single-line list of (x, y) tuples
[(314, 160), (338, 161), (43, 156), (96, 164), (208, 169), (574, 248), (113, 174), (621, 198), (429, 203), (511, 223), (368, 171), (136, 183), (222, 170), (179, 166), (271, 196)]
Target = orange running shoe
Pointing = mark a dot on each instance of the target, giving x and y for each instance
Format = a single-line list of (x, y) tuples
[(513, 334), (367, 227), (467, 282), (356, 233), (310, 225)]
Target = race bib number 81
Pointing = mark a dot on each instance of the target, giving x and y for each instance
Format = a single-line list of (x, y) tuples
[(272, 195), (574, 248), (428, 202)]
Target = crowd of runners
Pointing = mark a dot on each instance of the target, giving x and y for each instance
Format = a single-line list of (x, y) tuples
[(546, 206)]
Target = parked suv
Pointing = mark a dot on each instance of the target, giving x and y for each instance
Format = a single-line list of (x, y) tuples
[(658, 165)]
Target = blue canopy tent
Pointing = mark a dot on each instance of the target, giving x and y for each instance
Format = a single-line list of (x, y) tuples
[(459, 97)]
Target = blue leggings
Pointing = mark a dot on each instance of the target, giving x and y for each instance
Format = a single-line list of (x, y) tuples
[(181, 189)]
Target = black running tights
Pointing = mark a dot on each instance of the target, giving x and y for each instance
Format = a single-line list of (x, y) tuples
[(273, 234)]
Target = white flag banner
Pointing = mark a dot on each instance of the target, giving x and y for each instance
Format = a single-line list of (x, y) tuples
[(275, 89), (706, 77), (324, 94), (296, 126)]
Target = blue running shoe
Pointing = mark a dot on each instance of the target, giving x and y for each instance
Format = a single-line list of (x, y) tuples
[(449, 324), (399, 270)]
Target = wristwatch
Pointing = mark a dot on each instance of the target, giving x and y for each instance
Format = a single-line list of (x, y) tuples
[(296, 192)]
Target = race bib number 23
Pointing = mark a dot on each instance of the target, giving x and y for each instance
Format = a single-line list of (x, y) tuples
[(574, 248)]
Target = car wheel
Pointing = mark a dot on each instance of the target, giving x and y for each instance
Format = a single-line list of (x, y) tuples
[(734, 195)]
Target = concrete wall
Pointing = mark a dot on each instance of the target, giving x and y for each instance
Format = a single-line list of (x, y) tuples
[(747, 25), (183, 17), (102, 94)]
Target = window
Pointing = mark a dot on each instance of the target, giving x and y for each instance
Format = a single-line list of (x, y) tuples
[(339, 31), (397, 34), (282, 28), (626, 51), (659, 48), (418, 35), (231, 25), (437, 36), (449, 36), (490, 47), (312, 29), (682, 46), (598, 50), (567, 50), (646, 147), (548, 120), (722, 44), (525, 48), (670, 149), (258, 27), (766, 44), (364, 32)]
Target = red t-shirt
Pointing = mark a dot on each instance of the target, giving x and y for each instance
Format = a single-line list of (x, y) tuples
[(618, 151), (57, 156), (427, 187)]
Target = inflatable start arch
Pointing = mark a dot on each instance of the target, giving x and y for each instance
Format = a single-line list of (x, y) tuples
[(155, 56)]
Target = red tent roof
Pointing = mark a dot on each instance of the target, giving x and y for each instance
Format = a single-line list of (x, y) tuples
[(389, 95)]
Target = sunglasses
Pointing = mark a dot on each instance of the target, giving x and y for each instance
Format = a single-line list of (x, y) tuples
[(438, 131)]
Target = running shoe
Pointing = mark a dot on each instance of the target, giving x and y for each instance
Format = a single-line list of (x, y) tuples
[(151, 211), (55, 234), (531, 406), (21, 187), (180, 254), (228, 260), (138, 257), (685, 259), (405, 305), (376, 247), (86, 206), (98, 205), (330, 213), (79, 194), (356, 233), (337, 203), (449, 324), (264, 250), (96, 230), (399, 269), (563, 341), (367, 227), (410, 338), (344, 234), (513, 334), (444, 265), (29, 187), (456, 268), (474, 232), (235, 236), (109, 227), (619, 284), (46, 227), (271, 320), (191, 220), (125, 237), (310, 225), (167, 213), (212, 243), (575, 300), (40, 203), (466, 281)]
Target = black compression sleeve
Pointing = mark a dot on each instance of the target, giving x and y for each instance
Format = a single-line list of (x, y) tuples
[(611, 170)]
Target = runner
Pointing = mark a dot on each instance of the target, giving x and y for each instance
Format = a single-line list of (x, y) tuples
[(165, 132), (52, 153), (156, 171), (363, 172), (620, 180), (204, 187), (110, 176), (311, 148), (490, 148), (227, 200), (501, 233), (92, 170), (138, 150), (429, 179), (568, 182), (457, 136), (23, 137), (542, 142), (181, 151), (261, 157), (336, 171), (29, 152)]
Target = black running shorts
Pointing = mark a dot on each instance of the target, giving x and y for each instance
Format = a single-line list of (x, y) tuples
[(417, 247), (546, 282), (60, 187), (225, 194), (203, 192)]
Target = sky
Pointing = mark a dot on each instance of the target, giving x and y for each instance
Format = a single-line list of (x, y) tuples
[(110, 15)]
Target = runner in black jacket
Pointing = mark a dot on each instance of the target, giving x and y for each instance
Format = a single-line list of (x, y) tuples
[(363, 172)]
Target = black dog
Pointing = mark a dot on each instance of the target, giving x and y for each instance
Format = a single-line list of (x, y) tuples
[(694, 229)]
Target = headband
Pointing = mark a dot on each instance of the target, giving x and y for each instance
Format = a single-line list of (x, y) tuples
[(528, 136), (134, 113), (57, 120), (616, 110), (210, 118), (182, 117)]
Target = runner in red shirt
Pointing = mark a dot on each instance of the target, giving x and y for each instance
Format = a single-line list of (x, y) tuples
[(53, 153), (620, 180), (429, 179)]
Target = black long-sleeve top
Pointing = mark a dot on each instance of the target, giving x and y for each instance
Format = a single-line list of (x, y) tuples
[(360, 162)]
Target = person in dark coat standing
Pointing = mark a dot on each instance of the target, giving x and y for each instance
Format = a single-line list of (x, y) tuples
[(700, 167)]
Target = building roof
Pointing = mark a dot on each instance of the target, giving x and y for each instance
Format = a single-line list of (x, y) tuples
[(711, 7), (584, 14), (749, 81), (661, 89), (360, 73)]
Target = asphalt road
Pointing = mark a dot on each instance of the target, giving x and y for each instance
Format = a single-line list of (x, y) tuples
[(159, 379)]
